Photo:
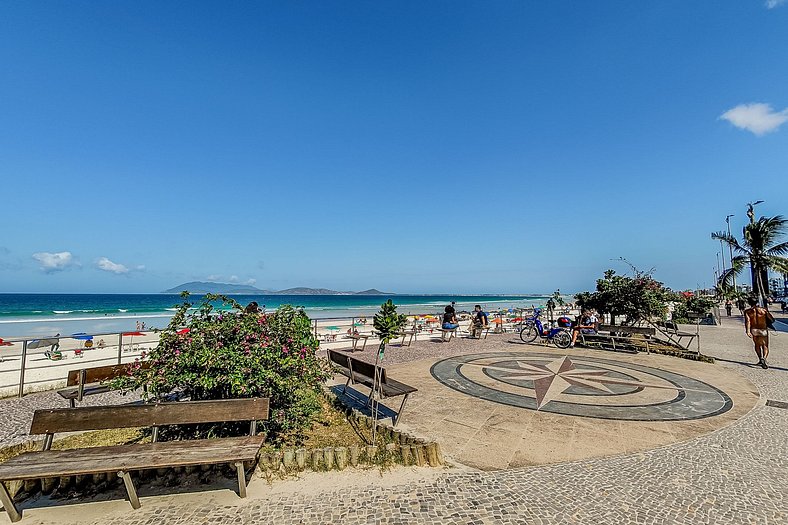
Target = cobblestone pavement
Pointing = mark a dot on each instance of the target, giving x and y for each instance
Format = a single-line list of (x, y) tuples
[(735, 475)]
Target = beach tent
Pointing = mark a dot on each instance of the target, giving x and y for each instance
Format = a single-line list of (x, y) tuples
[(5, 343)]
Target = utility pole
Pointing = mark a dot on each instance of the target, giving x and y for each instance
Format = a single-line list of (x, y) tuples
[(730, 249)]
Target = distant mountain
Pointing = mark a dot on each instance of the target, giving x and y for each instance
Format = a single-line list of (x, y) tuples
[(199, 287), (307, 291)]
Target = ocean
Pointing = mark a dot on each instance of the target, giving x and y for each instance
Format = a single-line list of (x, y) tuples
[(38, 315)]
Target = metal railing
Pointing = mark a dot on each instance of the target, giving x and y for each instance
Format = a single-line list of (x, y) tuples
[(30, 376), (55, 371)]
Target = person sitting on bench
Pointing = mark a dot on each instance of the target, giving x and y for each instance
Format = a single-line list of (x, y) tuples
[(449, 318), (479, 321), (588, 324)]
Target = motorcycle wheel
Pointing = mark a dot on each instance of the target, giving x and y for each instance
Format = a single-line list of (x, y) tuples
[(562, 339), (528, 334)]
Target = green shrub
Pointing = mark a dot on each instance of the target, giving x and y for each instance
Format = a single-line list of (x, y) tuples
[(228, 353)]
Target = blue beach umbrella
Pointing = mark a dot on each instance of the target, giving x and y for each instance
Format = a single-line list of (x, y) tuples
[(82, 336)]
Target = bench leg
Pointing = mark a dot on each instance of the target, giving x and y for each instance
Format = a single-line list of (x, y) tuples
[(344, 388), (133, 499), (401, 407), (72, 403), (8, 503), (239, 466)]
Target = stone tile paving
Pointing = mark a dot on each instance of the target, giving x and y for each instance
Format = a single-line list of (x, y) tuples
[(735, 475)]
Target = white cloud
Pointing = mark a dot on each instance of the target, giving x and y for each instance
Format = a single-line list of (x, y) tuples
[(54, 262), (213, 278), (756, 117), (108, 266), (771, 4), (233, 279), (250, 282)]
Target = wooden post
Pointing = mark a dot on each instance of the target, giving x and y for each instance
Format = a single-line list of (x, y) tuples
[(432, 454), (354, 453), (289, 458), (316, 457), (300, 458), (328, 458), (418, 453), (406, 457), (341, 456), (372, 451)]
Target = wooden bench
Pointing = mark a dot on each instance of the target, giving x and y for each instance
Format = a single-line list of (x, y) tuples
[(411, 332), (89, 381), (672, 330), (618, 333), (361, 372), (123, 459), (359, 337)]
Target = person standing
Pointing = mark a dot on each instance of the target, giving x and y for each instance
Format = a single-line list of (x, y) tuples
[(728, 307), (756, 324)]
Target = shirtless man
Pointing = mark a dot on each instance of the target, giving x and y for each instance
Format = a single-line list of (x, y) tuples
[(755, 318)]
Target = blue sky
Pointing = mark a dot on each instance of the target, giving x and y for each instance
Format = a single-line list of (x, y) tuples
[(408, 146)]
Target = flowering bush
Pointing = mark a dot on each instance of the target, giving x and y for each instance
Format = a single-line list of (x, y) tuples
[(637, 298), (231, 353)]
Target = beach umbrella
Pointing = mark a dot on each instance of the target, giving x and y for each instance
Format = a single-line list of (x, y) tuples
[(182, 331), (82, 336), (497, 320), (333, 328), (41, 343), (5, 343)]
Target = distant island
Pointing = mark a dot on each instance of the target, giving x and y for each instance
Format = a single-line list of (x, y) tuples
[(201, 287)]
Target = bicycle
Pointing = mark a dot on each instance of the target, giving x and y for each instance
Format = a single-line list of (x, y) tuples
[(560, 336)]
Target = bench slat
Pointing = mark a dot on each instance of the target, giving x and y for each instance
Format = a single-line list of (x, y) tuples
[(100, 373), (73, 393), (147, 415), (54, 463)]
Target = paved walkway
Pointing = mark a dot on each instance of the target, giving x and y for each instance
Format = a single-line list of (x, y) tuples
[(733, 475)]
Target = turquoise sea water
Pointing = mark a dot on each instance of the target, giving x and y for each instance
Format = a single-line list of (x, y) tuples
[(48, 314)]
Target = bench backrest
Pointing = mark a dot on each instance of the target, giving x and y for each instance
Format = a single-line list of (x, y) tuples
[(644, 330), (356, 365), (148, 415), (99, 373)]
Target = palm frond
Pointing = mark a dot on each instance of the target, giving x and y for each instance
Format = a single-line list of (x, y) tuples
[(726, 279), (777, 250), (730, 240), (778, 264)]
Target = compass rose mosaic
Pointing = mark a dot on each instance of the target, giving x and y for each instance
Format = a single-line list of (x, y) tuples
[(582, 386)]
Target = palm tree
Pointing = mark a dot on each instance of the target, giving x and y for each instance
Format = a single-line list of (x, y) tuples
[(760, 248)]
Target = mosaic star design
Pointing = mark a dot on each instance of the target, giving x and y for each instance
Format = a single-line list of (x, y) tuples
[(558, 376)]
